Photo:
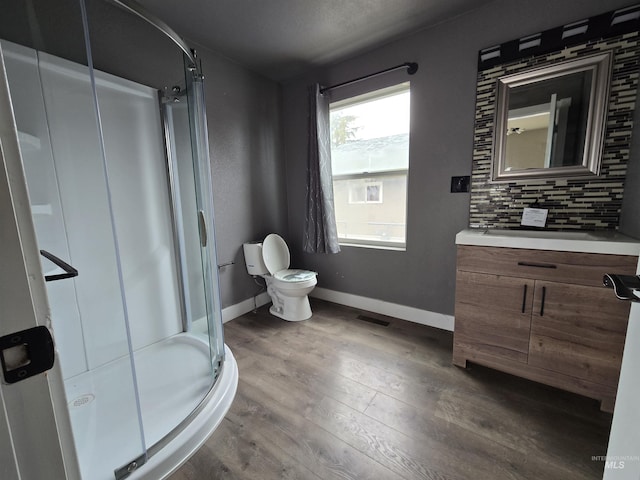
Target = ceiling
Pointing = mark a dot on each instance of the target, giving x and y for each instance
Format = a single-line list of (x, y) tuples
[(283, 38)]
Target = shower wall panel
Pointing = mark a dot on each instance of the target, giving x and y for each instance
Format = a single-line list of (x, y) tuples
[(83, 195), (88, 316), (138, 176), (180, 140), (37, 157)]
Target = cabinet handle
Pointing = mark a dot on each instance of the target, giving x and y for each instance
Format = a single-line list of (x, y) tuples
[(544, 294), (524, 298), (538, 265)]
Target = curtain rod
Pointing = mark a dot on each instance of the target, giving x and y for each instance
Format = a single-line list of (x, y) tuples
[(411, 67)]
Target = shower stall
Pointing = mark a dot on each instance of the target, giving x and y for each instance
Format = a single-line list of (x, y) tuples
[(119, 188)]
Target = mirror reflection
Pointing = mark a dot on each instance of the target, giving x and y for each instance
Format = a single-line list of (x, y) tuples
[(549, 121)]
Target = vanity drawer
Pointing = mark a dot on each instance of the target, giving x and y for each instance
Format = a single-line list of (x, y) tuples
[(568, 267)]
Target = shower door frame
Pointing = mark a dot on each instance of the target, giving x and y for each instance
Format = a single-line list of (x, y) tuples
[(35, 422), (204, 201)]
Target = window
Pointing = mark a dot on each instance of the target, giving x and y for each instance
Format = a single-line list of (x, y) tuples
[(367, 191), (370, 166)]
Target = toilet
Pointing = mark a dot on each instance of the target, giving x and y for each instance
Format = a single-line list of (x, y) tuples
[(288, 288)]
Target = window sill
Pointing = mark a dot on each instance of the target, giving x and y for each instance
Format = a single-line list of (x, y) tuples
[(396, 248)]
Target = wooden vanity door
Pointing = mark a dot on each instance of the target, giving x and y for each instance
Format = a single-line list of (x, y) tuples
[(579, 331), (493, 316)]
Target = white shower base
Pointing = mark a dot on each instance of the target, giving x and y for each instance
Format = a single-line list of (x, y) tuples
[(173, 377)]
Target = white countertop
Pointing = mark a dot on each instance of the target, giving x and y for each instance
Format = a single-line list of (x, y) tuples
[(608, 242)]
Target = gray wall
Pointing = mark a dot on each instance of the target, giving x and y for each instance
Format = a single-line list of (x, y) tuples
[(443, 100), (247, 164)]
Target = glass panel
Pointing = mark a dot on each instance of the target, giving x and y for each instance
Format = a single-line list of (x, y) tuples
[(139, 331), (185, 209), (61, 144), (204, 204), (546, 123), (370, 162), (549, 121), (371, 209), (155, 214)]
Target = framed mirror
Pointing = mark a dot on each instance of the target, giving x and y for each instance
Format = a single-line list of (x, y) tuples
[(549, 122)]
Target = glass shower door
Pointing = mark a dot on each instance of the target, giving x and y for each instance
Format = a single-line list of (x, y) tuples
[(61, 145), (31, 410), (204, 203), (190, 179), (138, 331)]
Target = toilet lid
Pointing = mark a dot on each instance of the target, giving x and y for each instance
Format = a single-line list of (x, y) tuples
[(275, 253)]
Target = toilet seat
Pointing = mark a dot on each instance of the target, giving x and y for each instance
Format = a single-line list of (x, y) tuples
[(275, 254), (294, 276)]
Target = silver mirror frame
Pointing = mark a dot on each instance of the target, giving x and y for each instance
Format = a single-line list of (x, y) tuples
[(600, 65)]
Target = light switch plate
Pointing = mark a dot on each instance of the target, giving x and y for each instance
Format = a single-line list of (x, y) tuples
[(460, 184)]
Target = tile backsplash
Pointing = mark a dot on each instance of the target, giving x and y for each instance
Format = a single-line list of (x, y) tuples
[(591, 203)]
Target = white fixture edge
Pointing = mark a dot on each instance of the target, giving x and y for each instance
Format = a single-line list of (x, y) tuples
[(173, 455), (403, 312), (246, 306), (604, 242), (621, 462)]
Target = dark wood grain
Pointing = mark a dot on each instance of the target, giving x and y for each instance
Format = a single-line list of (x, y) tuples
[(581, 332), (570, 267), (493, 314), (335, 397), (556, 325)]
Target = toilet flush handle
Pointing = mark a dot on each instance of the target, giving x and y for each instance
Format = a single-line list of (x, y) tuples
[(203, 228)]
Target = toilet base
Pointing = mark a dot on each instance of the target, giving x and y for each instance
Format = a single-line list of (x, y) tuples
[(291, 309)]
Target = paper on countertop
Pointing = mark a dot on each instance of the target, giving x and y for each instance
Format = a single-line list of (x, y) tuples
[(534, 217)]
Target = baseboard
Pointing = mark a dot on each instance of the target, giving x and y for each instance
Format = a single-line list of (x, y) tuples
[(423, 317), (246, 306), (411, 314)]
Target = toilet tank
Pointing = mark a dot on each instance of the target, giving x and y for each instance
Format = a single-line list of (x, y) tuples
[(253, 258)]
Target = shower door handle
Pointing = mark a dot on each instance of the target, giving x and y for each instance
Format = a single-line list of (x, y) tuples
[(203, 228), (69, 271)]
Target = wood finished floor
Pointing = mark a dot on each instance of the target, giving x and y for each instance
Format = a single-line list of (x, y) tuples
[(336, 397)]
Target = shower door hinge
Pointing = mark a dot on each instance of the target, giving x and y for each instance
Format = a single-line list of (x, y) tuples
[(129, 468), (26, 353)]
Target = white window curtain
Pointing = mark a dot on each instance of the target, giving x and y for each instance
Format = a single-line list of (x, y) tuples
[(320, 235)]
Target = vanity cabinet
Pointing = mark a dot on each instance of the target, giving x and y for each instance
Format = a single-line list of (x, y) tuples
[(493, 316), (542, 315)]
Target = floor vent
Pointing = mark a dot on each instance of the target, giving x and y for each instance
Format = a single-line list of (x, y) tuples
[(373, 320)]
